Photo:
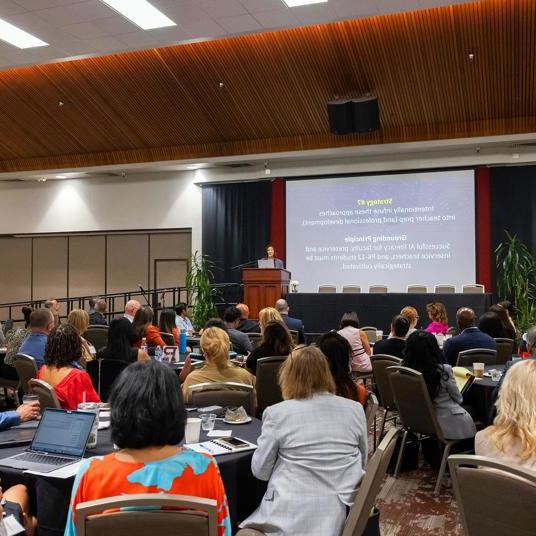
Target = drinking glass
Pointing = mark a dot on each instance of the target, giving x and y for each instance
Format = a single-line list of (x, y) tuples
[(495, 375), (207, 421)]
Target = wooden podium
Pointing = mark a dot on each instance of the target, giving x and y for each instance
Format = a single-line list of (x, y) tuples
[(263, 287)]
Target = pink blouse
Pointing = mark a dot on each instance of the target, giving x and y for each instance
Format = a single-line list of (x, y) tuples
[(437, 327), (359, 359)]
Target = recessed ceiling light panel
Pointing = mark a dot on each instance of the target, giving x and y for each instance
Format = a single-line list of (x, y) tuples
[(142, 13), (296, 3), (17, 37)]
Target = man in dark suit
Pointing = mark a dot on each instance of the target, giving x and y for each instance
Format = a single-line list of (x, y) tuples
[(246, 325), (96, 317), (396, 343), (469, 338), (294, 324)]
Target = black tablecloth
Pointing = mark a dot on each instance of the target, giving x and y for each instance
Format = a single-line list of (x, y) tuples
[(50, 496), (480, 396), (322, 312)]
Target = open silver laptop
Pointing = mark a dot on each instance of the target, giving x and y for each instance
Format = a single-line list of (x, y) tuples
[(60, 440), (266, 263)]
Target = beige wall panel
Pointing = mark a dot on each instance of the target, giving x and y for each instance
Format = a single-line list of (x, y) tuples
[(15, 272), (87, 265), (127, 262), (170, 246), (50, 268)]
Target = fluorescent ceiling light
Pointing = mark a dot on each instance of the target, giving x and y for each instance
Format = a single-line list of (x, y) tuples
[(17, 37), (61, 176), (141, 12), (296, 3)]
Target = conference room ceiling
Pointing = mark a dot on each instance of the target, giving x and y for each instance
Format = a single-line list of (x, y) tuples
[(457, 71)]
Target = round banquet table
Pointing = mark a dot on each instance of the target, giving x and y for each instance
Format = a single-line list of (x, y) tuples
[(50, 496), (480, 396)]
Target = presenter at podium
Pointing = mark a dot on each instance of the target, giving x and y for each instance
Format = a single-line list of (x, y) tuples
[(270, 260)]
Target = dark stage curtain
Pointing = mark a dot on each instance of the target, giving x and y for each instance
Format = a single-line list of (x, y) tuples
[(236, 225), (513, 207)]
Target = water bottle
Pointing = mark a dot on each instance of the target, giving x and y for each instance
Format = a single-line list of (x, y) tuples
[(182, 342), (158, 353), (144, 345)]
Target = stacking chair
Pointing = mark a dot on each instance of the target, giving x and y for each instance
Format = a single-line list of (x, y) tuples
[(103, 373), (26, 369), (141, 514), (445, 289), (97, 336), (46, 394), (266, 383), (417, 414), (505, 349), (473, 289), (255, 339), (378, 289), (417, 289), (223, 394), (369, 487), (477, 355), (327, 289), (351, 289), (380, 368), (371, 409), (168, 339), (494, 498), (370, 332), (6, 384)]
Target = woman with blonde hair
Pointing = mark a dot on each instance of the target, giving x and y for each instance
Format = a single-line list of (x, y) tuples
[(412, 315), (312, 461), (269, 314), (217, 368), (79, 320), (512, 436), (439, 322)]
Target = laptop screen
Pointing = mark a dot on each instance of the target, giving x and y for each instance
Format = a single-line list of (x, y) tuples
[(63, 432), (266, 263)]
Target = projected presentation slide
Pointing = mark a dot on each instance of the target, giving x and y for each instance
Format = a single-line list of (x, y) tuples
[(396, 230)]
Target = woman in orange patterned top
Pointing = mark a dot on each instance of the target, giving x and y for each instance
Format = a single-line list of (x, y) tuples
[(148, 421)]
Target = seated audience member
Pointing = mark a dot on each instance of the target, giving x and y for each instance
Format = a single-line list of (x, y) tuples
[(41, 324), (269, 314), (62, 370), (79, 319), (143, 328), (54, 307), (182, 321), (312, 451), (148, 421), (512, 436), (439, 322), (491, 324), (508, 325), (423, 355), (246, 325), (96, 318), (396, 343), (360, 356), (240, 341), (92, 302), (24, 413), (15, 501), (14, 339), (413, 316), (294, 324), (130, 309), (121, 343), (166, 324), (276, 341), (217, 368), (337, 351), (470, 337), (216, 323)]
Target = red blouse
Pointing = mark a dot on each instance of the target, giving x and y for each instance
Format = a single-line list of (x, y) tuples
[(70, 391)]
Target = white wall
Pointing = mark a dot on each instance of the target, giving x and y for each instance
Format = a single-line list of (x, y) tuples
[(144, 201)]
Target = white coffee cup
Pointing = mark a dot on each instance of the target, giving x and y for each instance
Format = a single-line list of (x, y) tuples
[(193, 429), (478, 370), (379, 334)]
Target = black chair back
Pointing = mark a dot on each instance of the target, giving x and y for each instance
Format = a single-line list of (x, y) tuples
[(103, 373)]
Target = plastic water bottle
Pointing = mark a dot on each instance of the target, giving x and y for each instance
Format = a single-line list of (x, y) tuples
[(158, 353), (182, 342), (144, 345)]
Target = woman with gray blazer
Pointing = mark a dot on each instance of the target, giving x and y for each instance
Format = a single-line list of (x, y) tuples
[(312, 450), (423, 355)]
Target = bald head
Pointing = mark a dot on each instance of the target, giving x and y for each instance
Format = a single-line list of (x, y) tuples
[(281, 306), (465, 318), (244, 310), (131, 307)]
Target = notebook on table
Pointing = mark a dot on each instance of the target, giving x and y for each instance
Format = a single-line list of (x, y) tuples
[(60, 440), (463, 378)]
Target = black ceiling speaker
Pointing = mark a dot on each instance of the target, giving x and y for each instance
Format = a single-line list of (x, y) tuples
[(356, 115)]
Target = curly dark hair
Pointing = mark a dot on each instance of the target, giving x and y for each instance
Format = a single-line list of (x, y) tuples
[(423, 354), (64, 346), (147, 407)]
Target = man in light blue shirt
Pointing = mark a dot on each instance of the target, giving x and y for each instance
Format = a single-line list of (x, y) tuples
[(181, 320), (41, 324), (26, 412)]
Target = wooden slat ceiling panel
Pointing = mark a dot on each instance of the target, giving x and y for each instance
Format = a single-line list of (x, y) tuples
[(168, 104)]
